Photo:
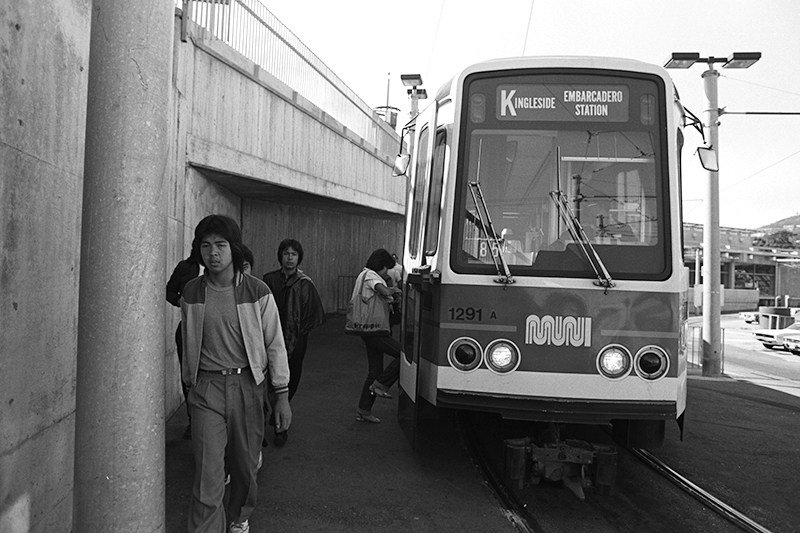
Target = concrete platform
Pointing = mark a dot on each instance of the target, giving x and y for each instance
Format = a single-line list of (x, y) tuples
[(741, 442), (335, 474)]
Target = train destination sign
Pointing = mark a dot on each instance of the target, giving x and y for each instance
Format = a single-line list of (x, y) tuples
[(563, 103)]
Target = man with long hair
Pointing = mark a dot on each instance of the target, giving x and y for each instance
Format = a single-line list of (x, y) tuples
[(231, 338)]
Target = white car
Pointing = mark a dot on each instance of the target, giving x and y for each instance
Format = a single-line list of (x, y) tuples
[(791, 342), (751, 317), (774, 337)]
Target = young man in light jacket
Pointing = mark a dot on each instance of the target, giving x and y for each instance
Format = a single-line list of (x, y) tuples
[(231, 339)]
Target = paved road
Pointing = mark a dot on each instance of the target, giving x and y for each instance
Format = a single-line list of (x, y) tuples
[(747, 359)]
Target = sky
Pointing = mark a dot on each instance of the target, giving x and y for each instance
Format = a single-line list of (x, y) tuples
[(370, 43)]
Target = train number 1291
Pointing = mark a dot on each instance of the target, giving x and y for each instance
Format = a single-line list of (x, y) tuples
[(465, 313)]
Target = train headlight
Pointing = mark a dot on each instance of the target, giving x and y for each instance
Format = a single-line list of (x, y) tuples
[(502, 356), (651, 363), (464, 354), (614, 361)]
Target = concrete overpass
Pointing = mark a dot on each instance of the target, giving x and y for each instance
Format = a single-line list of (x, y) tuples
[(125, 123)]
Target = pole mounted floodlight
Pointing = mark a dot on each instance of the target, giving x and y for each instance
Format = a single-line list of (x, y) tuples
[(682, 60), (735, 60), (415, 92), (742, 59), (709, 157), (411, 80)]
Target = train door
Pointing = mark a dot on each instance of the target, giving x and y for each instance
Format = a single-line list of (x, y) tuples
[(413, 259)]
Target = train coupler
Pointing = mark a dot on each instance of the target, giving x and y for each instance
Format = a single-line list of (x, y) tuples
[(578, 464)]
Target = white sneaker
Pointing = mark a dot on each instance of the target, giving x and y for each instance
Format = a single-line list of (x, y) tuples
[(243, 527)]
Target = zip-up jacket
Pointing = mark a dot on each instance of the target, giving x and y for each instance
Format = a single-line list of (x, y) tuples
[(298, 302), (260, 323)]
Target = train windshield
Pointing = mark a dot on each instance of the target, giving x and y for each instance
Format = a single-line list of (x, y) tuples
[(595, 142)]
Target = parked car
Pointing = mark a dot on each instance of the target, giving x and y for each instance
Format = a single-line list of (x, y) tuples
[(791, 342), (751, 317), (774, 337)]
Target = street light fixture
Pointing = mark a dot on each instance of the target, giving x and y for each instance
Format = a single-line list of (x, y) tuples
[(411, 80), (742, 59), (735, 60), (712, 349)]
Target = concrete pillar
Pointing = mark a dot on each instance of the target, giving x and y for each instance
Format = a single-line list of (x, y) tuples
[(119, 426)]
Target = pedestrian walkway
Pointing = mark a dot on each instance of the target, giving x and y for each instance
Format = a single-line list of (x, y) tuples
[(338, 475)]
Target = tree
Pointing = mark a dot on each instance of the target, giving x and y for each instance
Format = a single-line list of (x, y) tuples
[(779, 239)]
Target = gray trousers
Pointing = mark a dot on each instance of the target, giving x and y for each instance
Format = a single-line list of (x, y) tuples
[(227, 426)]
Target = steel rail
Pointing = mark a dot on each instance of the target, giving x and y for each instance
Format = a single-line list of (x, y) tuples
[(696, 492)]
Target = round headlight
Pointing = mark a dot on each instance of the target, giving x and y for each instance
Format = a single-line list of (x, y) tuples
[(464, 354), (502, 356), (614, 361), (651, 362)]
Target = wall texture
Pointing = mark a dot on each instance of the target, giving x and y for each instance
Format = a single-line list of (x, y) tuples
[(44, 52)]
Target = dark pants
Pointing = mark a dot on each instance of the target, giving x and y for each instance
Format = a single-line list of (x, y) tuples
[(296, 364), (184, 386), (227, 428), (376, 347), (295, 372)]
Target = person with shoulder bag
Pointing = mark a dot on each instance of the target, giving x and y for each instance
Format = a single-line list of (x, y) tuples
[(368, 317)]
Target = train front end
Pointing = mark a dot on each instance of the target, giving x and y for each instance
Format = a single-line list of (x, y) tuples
[(544, 256)]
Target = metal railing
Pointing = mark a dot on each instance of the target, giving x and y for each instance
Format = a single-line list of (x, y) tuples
[(694, 348), (251, 29)]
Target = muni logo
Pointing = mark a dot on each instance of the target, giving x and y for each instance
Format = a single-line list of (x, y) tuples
[(558, 331)]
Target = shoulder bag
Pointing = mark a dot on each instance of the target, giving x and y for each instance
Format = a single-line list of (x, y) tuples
[(366, 316)]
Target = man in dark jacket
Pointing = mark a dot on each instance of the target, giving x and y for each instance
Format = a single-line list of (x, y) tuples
[(300, 309), (185, 271)]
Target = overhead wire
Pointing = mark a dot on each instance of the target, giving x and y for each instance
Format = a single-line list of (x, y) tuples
[(759, 85), (700, 200), (435, 38), (760, 171), (527, 29)]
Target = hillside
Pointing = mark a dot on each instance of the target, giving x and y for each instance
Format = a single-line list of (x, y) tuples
[(789, 223)]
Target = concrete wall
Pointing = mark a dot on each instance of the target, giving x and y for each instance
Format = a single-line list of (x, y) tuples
[(242, 144), (335, 244), (734, 300), (44, 47)]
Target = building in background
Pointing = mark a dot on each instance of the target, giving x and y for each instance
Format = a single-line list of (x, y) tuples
[(751, 275)]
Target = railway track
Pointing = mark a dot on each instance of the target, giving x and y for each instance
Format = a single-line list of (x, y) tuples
[(706, 498), (514, 509), (519, 513)]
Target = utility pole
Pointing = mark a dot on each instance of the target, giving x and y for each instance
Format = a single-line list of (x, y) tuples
[(712, 335)]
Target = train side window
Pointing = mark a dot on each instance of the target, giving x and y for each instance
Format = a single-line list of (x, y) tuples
[(418, 192), (433, 217)]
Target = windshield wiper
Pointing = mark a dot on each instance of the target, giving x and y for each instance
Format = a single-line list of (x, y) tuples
[(577, 233), (491, 236)]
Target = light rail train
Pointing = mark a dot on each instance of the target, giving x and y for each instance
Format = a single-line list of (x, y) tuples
[(543, 260)]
